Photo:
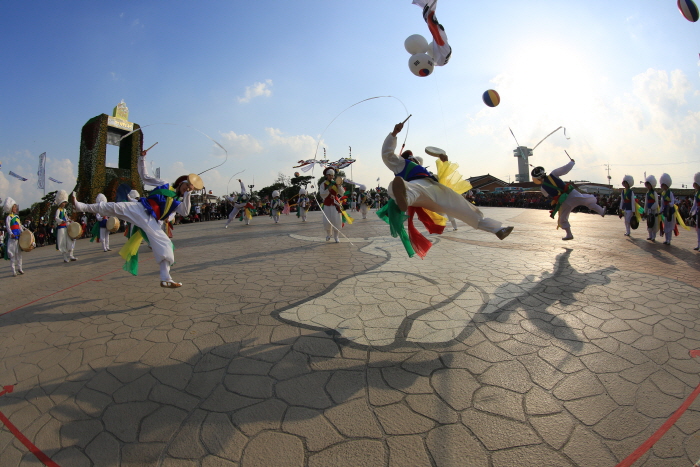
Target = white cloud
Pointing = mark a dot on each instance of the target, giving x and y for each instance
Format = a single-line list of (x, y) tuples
[(257, 89), (302, 145), (241, 143)]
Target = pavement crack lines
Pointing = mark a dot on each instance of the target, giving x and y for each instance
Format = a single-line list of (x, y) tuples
[(59, 291), (46, 460)]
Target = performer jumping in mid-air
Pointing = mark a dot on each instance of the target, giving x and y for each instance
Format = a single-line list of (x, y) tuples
[(564, 196), (64, 243), (414, 186), (239, 204), (147, 215), (651, 208)]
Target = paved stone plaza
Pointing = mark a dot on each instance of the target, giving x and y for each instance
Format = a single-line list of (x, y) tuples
[(284, 350)]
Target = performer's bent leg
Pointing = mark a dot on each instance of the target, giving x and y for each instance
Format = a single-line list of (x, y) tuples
[(564, 212), (438, 198), (231, 216)]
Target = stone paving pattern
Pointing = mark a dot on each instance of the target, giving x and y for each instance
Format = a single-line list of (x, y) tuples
[(284, 350)]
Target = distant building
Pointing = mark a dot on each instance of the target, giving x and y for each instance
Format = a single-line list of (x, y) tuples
[(487, 183)]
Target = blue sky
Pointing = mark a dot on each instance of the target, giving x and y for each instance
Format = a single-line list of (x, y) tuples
[(265, 78)]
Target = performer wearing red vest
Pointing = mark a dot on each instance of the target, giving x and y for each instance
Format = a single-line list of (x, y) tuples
[(413, 185)]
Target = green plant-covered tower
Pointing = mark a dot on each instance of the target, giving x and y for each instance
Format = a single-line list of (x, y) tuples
[(93, 174)]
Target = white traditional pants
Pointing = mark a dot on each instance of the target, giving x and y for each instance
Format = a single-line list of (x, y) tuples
[(628, 220), (669, 227), (575, 199), (427, 193), (655, 228), (137, 215), (14, 252), (65, 244), (332, 219), (364, 209), (104, 235)]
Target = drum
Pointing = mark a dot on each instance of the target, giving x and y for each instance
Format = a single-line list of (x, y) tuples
[(75, 230), (634, 223), (113, 224), (26, 240)]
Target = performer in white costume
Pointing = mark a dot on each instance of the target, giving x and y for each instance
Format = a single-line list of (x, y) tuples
[(627, 201), (364, 200), (303, 204), (102, 221), (239, 204), (331, 190), (651, 208), (146, 215), (413, 185), (564, 196), (14, 229), (695, 210), (453, 221), (668, 207), (65, 244), (276, 206)]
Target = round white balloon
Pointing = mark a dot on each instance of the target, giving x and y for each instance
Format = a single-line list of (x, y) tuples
[(430, 50), (420, 64), (416, 44)]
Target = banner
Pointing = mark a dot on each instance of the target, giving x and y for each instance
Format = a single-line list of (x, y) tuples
[(18, 176), (41, 173), (54, 180)]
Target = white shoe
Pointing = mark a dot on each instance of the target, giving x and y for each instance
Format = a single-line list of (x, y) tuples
[(337, 241), (226, 226)]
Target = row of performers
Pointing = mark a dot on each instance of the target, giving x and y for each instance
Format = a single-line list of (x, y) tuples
[(414, 191), (244, 208), (658, 208), (147, 217)]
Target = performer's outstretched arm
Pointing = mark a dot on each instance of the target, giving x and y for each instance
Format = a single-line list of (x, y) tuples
[(143, 173), (391, 160), (563, 170), (184, 208)]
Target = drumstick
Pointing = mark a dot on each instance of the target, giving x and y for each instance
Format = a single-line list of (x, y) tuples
[(409, 116), (568, 155), (151, 147)]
